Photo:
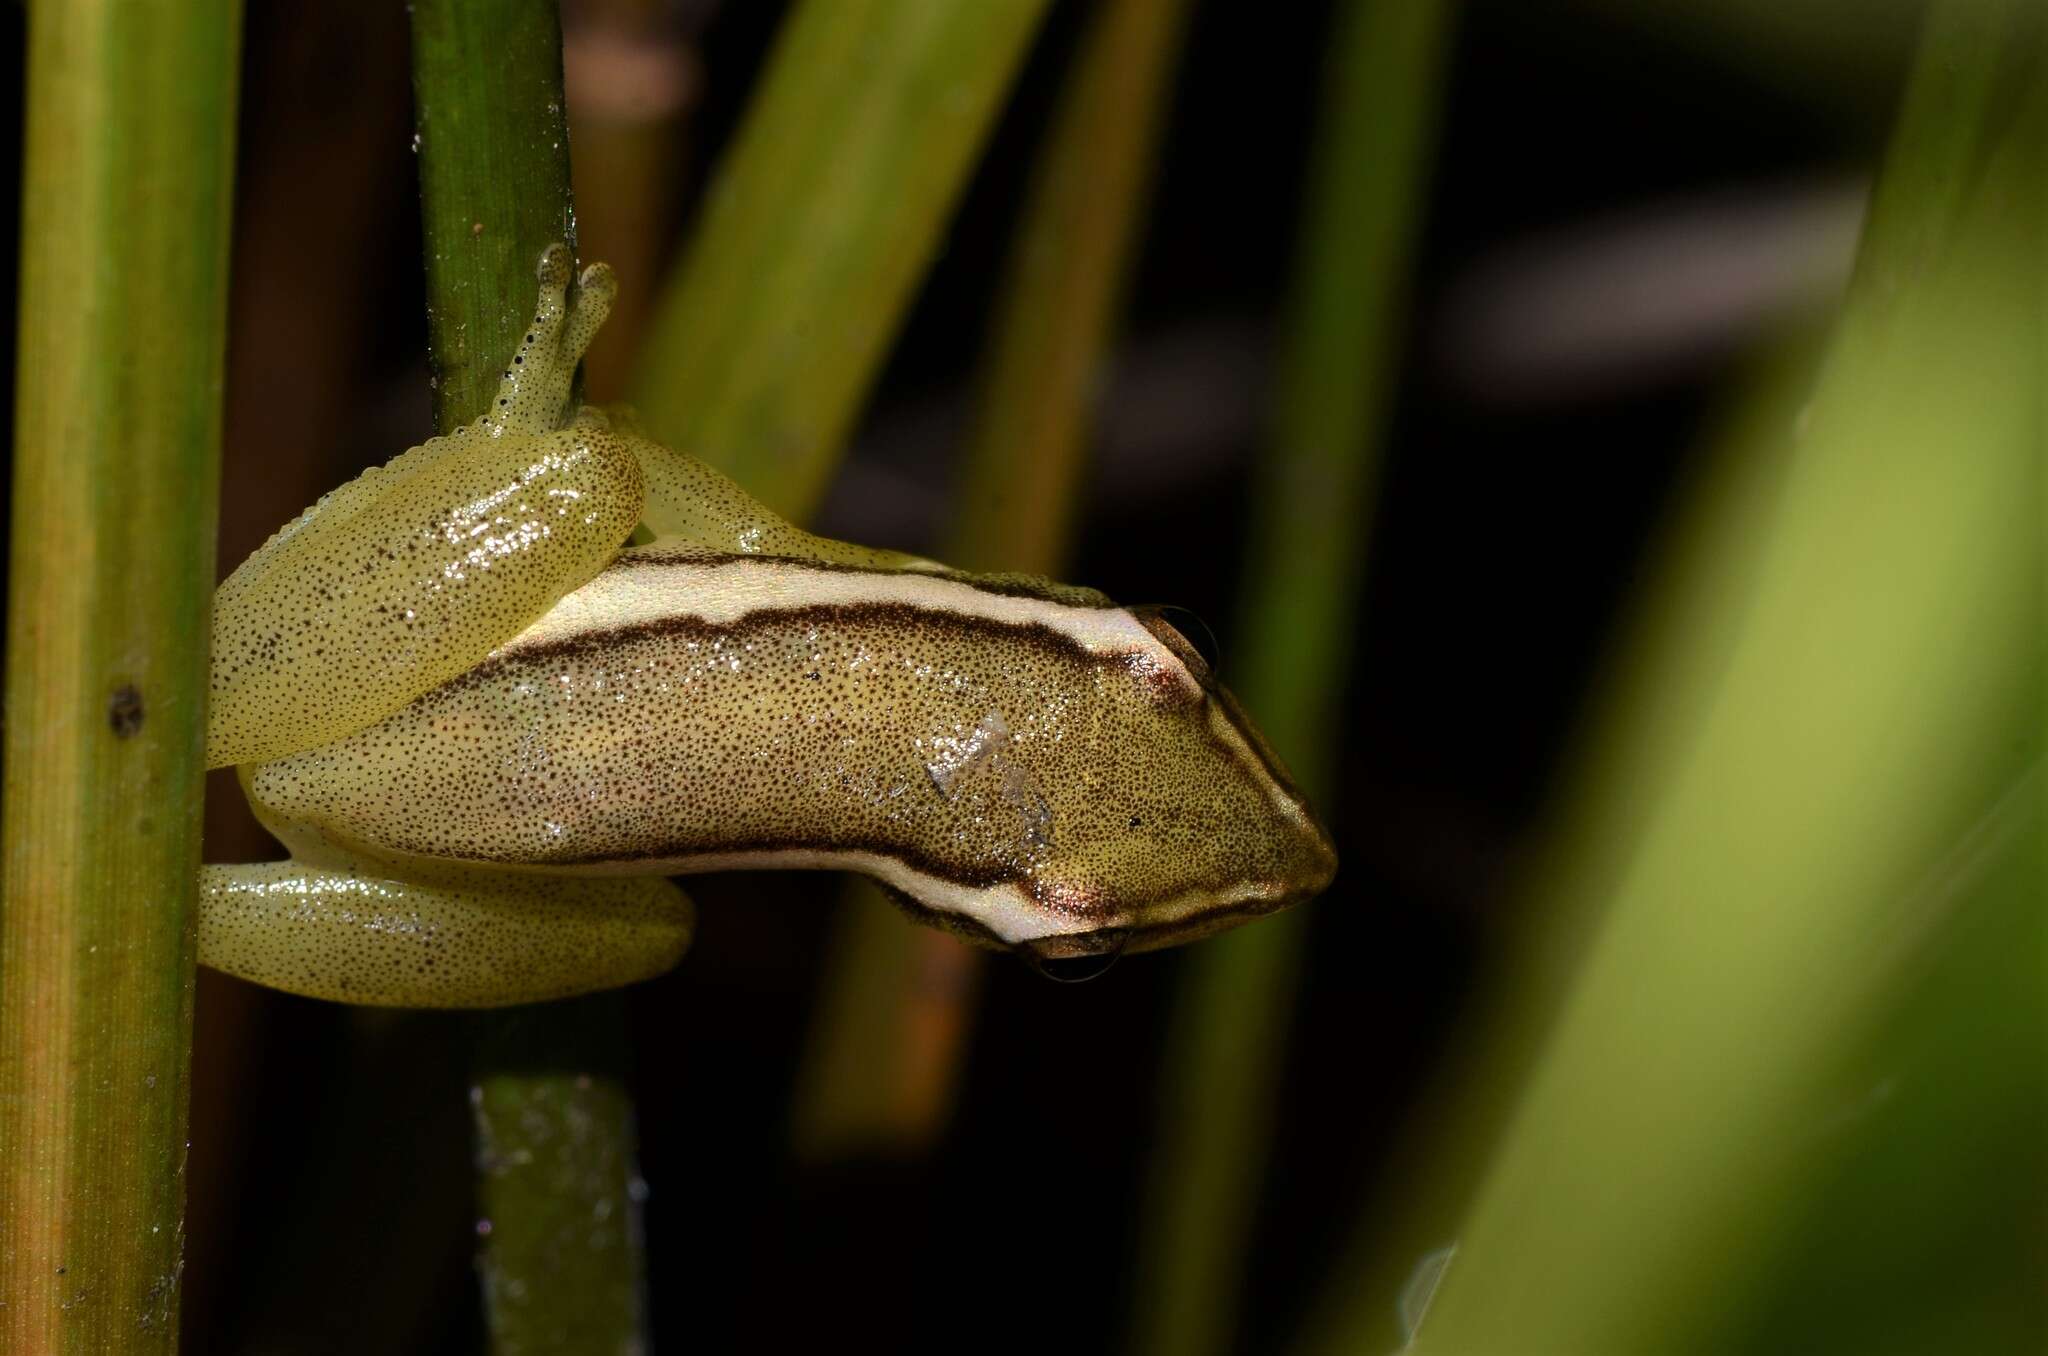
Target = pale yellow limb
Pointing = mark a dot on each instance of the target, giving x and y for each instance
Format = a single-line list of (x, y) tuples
[(477, 939), (409, 575), (533, 395), (690, 503)]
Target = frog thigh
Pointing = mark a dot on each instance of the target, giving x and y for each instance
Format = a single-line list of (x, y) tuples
[(694, 505), (405, 578), (698, 508), (481, 940)]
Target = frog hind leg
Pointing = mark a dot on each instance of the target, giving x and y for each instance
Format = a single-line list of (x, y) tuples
[(478, 939), (692, 505), (410, 574)]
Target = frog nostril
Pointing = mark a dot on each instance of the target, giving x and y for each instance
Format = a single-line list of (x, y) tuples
[(1073, 969)]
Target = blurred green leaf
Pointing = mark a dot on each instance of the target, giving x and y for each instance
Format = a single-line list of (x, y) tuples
[(886, 1044), (1879, 696), (818, 226), (1382, 89)]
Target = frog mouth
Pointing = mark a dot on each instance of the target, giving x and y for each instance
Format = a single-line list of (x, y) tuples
[(1073, 956)]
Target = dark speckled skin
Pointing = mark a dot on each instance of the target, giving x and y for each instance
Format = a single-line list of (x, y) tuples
[(1103, 788), (456, 699)]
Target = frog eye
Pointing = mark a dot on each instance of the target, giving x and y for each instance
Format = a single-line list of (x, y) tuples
[(1173, 626), (1073, 968)]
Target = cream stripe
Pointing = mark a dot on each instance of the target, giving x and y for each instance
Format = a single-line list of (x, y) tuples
[(642, 588), (1005, 910)]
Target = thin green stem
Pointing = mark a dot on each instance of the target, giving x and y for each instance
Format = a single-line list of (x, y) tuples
[(1381, 93), (493, 146), (561, 1254), (818, 226), (886, 1046), (126, 193), (558, 1202)]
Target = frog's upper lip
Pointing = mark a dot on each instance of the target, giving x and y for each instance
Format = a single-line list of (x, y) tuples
[(1256, 901), (1218, 917)]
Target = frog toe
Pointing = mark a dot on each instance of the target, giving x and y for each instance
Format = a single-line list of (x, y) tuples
[(556, 268)]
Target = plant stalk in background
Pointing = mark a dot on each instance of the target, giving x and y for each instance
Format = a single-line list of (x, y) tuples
[(126, 195), (898, 1000), (1381, 93), (818, 225), (561, 1258), (821, 219)]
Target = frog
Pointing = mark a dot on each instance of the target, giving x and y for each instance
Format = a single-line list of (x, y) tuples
[(494, 695)]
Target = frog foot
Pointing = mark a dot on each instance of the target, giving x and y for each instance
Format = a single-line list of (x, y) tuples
[(533, 394)]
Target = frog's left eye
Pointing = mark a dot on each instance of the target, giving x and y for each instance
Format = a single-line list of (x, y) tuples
[(1068, 967), (1173, 626)]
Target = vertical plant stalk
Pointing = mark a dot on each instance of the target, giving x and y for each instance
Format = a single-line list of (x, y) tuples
[(1063, 285), (899, 1001), (1878, 688), (1381, 94), (493, 147), (126, 199), (558, 1190), (561, 1252), (818, 226)]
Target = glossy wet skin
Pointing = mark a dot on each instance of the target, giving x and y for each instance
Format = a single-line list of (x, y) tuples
[(448, 678), (1026, 785)]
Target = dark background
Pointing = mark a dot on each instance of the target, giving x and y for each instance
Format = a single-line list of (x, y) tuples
[(1525, 483)]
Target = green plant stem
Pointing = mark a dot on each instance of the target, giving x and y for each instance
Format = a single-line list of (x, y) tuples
[(562, 1254), (1380, 97), (558, 1204), (1877, 690), (898, 1001), (818, 226), (126, 196), (493, 146)]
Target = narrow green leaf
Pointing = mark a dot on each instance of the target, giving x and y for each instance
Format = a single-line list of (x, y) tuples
[(1877, 698), (1061, 291), (898, 1001), (817, 228), (1380, 99)]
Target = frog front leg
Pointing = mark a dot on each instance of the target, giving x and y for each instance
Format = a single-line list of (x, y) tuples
[(410, 574), (388, 587), (466, 939)]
